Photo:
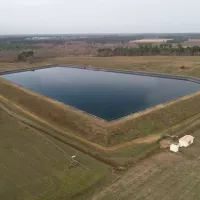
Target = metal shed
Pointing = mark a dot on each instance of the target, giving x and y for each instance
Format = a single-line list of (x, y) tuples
[(174, 147), (186, 141)]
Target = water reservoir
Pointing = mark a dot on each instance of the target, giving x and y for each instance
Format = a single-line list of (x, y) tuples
[(108, 95)]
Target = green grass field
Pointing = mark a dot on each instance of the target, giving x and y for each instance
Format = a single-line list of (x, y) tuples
[(33, 168)]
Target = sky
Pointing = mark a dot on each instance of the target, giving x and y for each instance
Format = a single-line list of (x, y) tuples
[(98, 16)]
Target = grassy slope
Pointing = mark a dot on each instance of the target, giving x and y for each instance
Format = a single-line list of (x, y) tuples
[(55, 113), (163, 64), (33, 168), (154, 122)]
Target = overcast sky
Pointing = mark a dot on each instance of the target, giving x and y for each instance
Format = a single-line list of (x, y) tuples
[(98, 16)]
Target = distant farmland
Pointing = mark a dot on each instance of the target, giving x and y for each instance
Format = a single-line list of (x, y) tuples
[(151, 40)]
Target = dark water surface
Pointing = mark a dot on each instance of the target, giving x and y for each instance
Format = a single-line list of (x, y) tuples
[(105, 94)]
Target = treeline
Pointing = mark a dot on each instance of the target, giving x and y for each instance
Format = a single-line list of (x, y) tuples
[(150, 50), (41, 41), (25, 55), (7, 46)]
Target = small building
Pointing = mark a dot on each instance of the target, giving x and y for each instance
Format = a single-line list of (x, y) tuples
[(186, 141), (174, 147)]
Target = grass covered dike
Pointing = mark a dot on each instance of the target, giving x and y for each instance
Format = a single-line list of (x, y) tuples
[(96, 130)]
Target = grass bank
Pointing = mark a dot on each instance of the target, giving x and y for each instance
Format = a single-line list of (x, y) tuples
[(158, 64), (153, 120)]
